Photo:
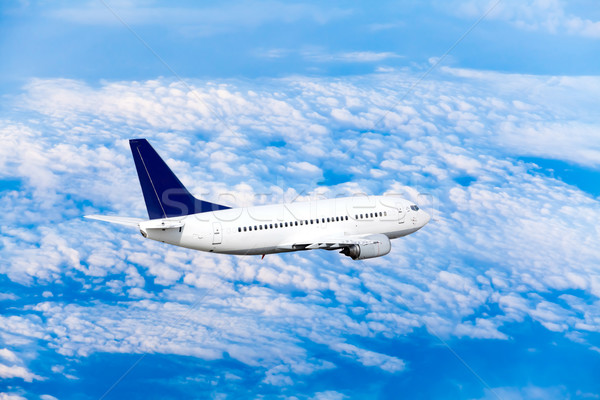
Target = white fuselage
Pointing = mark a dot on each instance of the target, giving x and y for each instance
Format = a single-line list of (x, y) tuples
[(273, 228)]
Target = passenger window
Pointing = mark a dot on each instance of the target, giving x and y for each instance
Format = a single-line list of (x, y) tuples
[(239, 229), (323, 220), (361, 216), (270, 226), (255, 228), (346, 218), (249, 228), (385, 213), (337, 219), (306, 222), (356, 217), (296, 223), (327, 219), (371, 215), (311, 221)]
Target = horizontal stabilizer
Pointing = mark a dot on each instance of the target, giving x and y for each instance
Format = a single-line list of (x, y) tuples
[(128, 221), (162, 224)]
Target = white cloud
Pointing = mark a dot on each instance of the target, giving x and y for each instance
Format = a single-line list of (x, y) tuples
[(529, 392), (551, 16), (17, 371), (572, 141), (8, 355), (303, 167), (329, 395), (7, 296), (370, 358), (11, 396)]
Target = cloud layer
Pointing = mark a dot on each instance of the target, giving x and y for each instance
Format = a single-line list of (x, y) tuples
[(508, 243)]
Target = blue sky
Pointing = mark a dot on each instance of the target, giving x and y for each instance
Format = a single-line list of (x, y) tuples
[(261, 102)]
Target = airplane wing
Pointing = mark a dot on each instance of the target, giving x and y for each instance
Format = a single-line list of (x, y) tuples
[(142, 224), (358, 247), (128, 221), (333, 243)]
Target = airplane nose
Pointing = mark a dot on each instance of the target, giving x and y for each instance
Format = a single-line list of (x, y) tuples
[(426, 218)]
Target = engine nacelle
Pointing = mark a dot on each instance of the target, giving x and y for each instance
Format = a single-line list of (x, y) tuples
[(381, 247)]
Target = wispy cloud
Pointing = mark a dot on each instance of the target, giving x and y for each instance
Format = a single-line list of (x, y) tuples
[(348, 57), (320, 55), (199, 20)]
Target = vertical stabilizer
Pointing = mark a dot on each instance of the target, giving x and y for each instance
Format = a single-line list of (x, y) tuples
[(164, 193)]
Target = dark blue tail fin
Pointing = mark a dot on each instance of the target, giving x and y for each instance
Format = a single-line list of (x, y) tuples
[(164, 194)]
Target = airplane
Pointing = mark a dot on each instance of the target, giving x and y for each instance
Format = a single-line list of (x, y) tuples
[(359, 227)]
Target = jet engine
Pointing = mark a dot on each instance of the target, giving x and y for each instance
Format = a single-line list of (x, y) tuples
[(379, 246)]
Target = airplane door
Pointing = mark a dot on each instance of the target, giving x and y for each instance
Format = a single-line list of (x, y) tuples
[(217, 235), (401, 214)]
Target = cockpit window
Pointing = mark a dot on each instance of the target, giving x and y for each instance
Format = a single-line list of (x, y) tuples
[(414, 208)]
